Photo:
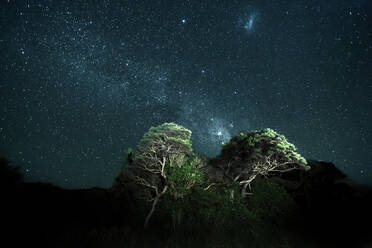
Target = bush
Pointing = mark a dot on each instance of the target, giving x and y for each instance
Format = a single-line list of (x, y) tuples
[(218, 208), (271, 202)]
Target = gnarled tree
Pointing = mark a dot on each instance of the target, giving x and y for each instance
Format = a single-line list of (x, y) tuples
[(258, 154), (161, 149)]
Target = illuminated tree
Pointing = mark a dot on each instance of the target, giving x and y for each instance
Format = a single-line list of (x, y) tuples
[(258, 154), (157, 166)]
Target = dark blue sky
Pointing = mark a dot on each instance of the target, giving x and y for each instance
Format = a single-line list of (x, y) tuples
[(81, 81)]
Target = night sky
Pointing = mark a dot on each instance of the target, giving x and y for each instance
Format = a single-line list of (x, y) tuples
[(81, 81)]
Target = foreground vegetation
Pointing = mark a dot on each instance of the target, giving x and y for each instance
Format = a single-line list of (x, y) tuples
[(259, 192)]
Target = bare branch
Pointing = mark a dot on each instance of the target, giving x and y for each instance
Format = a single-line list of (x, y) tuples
[(154, 203), (210, 185), (266, 167)]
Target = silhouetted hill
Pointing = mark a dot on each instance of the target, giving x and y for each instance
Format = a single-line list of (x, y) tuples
[(335, 209), (39, 211)]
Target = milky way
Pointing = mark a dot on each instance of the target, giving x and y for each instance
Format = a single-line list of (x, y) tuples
[(80, 83)]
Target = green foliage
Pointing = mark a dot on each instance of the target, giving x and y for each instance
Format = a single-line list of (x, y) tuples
[(271, 202), (182, 178), (168, 131), (186, 142), (263, 143), (216, 209), (168, 139), (128, 156), (129, 151), (224, 208)]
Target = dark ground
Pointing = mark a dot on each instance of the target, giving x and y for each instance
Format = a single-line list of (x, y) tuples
[(334, 213)]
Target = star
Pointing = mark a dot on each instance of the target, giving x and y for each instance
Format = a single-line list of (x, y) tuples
[(217, 69)]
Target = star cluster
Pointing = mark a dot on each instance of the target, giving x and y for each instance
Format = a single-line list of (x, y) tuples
[(82, 81)]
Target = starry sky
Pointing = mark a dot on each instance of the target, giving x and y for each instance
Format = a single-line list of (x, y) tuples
[(81, 81)]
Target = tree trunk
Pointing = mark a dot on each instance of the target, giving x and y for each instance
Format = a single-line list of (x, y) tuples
[(145, 225)]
